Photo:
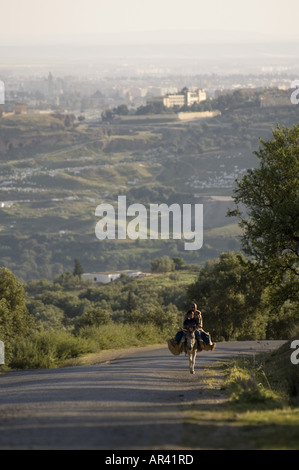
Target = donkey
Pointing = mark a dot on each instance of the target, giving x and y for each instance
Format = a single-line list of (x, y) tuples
[(191, 348)]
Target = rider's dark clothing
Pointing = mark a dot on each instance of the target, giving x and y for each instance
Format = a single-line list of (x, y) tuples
[(191, 323)]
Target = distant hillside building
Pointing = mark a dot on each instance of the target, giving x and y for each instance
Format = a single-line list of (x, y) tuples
[(195, 97), (169, 101), (105, 278), (184, 98)]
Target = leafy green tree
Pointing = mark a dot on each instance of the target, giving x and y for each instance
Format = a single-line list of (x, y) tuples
[(165, 318), (229, 295), (70, 304), (270, 195), (267, 205), (131, 303), (179, 263), (107, 115), (121, 110), (162, 265), (283, 320), (68, 280), (15, 321), (78, 269), (47, 317), (94, 317), (153, 108)]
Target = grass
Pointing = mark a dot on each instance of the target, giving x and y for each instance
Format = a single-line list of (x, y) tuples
[(170, 279), (226, 231), (248, 404)]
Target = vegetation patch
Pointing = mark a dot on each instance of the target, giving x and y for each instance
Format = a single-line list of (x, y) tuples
[(247, 404)]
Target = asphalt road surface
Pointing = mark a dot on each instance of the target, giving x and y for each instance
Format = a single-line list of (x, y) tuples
[(131, 402)]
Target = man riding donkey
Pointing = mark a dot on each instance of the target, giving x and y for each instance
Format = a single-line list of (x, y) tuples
[(193, 320)]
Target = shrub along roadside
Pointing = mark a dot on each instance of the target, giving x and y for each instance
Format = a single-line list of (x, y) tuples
[(50, 349), (258, 410), (267, 381)]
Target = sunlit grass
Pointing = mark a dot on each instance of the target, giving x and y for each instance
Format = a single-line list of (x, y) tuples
[(248, 404)]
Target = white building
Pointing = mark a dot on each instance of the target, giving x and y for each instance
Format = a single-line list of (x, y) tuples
[(184, 98), (174, 100), (106, 277), (195, 97)]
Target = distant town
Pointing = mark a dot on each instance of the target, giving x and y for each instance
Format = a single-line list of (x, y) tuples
[(88, 97)]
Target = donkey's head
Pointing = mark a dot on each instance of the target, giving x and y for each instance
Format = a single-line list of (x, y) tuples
[(190, 339), (190, 348)]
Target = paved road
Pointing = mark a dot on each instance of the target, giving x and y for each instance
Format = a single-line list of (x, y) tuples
[(132, 402)]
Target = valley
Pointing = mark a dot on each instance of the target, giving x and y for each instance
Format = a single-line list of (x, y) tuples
[(54, 172)]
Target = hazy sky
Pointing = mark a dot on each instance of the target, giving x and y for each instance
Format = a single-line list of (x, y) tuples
[(38, 19)]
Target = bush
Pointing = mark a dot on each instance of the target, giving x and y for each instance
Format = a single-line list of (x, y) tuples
[(162, 265), (48, 349), (115, 336), (245, 388)]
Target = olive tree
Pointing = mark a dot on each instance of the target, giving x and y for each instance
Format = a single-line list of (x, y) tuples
[(229, 296), (15, 321), (267, 205)]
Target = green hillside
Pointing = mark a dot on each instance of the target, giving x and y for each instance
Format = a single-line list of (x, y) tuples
[(54, 172)]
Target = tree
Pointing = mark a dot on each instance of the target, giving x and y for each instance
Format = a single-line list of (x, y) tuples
[(107, 115), (270, 194), (78, 269), (121, 110), (94, 317), (131, 303), (162, 265), (48, 317), (15, 321), (230, 297), (153, 108), (179, 263)]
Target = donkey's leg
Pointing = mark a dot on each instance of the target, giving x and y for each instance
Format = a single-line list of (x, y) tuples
[(194, 359), (192, 363)]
